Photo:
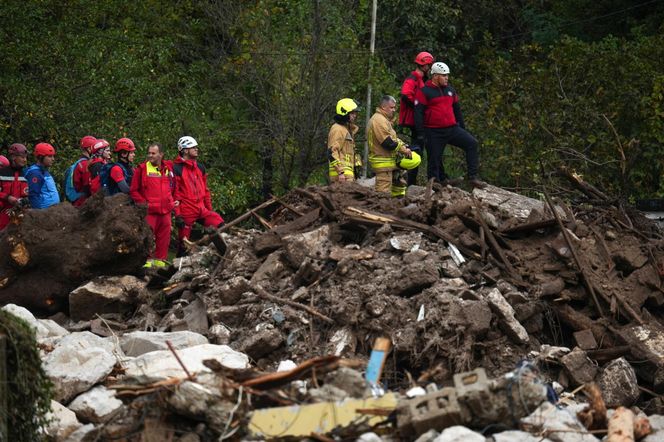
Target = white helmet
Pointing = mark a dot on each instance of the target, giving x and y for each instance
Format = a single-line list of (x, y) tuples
[(439, 68), (186, 143)]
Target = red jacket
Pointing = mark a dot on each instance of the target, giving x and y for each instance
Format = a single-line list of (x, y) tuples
[(191, 188), (81, 176), (413, 83), (437, 107), (12, 183), (155, 190), (94, 167)]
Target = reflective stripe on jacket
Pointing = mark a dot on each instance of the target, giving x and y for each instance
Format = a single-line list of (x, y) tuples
[(379, 129), (153, 187), (341, 149)]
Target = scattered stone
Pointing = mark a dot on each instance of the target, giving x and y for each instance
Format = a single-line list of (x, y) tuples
[(44, 328), (518, 436), (139, 342), (193, 317), (560, 425), (429, 436), (261, 343), (61, 422), (86, 433), (578, 367), (458, 433), (78, 361), (349, 380), (369, 437), (619, 384), (230, 292), (585, 340), (505, 313), (219, 334), (159, 365), (342, 341), (97, 405), (112, 294), (201, 402)]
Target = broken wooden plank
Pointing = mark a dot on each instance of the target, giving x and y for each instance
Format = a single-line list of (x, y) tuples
[(318, 199), (529, 227), (265, 295), (246, 215)]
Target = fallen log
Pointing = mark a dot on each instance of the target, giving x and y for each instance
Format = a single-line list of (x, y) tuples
[(45, 254)]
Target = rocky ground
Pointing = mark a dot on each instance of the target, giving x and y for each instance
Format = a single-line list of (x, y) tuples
[(505, 319)]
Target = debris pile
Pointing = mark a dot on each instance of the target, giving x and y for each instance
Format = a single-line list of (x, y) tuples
[(493, 303)]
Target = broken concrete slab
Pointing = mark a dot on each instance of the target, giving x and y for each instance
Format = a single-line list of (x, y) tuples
[(262, 342), (159, 365), (97, 405), (139, 342), (314, 243), (61, 422), (112, 294), (510, 203), (618, 384), (79, 361), (578, 367)]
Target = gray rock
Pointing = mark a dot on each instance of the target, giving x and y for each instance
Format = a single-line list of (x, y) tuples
[(349, 380), (618, 384), (106, 294), (86, 433), (202, 402), (458, 433), (61, 422), (518, 436), (159, 365), (560, 425), (219, 334), (504, 311), (44, 328), (369, 437), (429, 436), (261, 343), (139, 342), (97, 405), (657, 425), (578, 367), (78, 361), (193, 317)]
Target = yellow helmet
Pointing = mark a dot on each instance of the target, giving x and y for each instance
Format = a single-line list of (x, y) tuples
[(346, 106), (410, 163)]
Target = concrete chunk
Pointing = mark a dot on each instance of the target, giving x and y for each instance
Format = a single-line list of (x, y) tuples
[(140, 342), (97, 405), (504, 311)]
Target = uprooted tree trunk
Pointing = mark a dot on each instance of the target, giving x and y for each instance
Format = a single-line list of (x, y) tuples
[(44, 254)]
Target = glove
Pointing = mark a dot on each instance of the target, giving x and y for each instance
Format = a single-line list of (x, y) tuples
[(179, 222)]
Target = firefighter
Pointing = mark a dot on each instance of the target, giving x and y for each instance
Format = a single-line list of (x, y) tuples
[(193, 201), (413, 83), (13, 186), (42, 191), (341, 142), (439, 119), (152, 185), (385, 148)]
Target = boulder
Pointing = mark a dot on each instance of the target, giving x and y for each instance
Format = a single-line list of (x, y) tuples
[(140, 342), (78, 361), (159, 365), (97, 405), (113, 294), (61, 422), (44, 328), (618, 384)]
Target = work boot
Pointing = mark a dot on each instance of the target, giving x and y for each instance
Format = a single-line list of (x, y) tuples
[(161, 263), (148, 264), (476, 182)]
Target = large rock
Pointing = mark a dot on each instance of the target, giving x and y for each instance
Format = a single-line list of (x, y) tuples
[(560, 425), (44, 328), (140, 342), (159, 365), (97, 405), (113, 294), (618, 384), (458, 433), (79, 361), (61, 422)]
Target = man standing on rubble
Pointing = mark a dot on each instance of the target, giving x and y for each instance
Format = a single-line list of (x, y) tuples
[(152, 185), (13, 185), (341, 142), (413, 83), (388, 155), (42, 191), (438, 118), (193, 201)]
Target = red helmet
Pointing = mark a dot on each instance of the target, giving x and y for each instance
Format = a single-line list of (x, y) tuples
[(423, 58), (124, 144), (88, 141), (100, 145), (18, 149), (43, 149), (4, 161)]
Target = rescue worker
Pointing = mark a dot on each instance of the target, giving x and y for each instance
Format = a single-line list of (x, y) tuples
[(438, 118), (81, 176), (385, 149), (42, 191), (152, 185), (121, 172), (341, 142), (4, 161), (193, 201), (13, 186), (413, 83), (100, 155)]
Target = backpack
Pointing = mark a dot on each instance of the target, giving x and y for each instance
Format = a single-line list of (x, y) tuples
[(70, 191), (108, 186), (177, 168)]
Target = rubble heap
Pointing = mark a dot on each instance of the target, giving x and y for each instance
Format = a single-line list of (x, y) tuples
[(464, 286)]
